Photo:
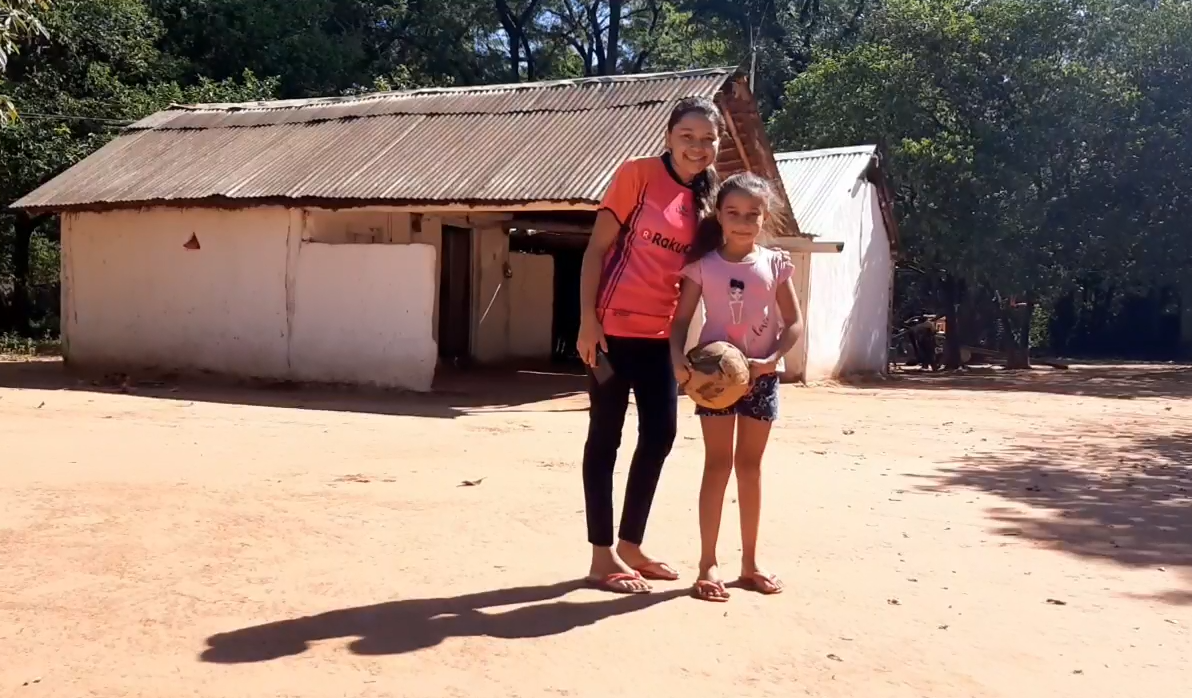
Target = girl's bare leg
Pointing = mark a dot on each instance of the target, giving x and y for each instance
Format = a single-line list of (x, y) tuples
[(752, 436), (718, 468)]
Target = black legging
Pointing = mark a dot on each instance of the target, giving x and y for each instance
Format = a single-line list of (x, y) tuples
[(643, 365)]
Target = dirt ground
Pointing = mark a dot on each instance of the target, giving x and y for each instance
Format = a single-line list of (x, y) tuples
[(941, 537)]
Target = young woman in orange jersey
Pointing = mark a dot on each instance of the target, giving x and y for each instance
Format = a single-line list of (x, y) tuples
[(629, 287)]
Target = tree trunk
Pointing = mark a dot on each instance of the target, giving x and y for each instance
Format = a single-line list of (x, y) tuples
[(23, 229), (1019, 356), (513, 35), (1186, 316), (598, 46), (614, 37), (531, 69), (954, 288)]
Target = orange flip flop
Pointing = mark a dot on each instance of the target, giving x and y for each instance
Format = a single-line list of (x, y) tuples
[(657, 572), (765, 584), (708, 590), (617, 583)]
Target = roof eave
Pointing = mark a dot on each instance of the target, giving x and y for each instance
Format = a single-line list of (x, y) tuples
[(760, 156), (727, 71), (392, 205)]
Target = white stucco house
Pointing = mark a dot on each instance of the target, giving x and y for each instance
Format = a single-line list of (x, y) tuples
[(367, 239), (840, 196)]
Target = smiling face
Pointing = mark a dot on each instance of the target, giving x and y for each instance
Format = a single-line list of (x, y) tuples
[(693, 141), (741, 214)]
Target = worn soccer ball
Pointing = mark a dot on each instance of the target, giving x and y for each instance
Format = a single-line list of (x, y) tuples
[(719, 375)]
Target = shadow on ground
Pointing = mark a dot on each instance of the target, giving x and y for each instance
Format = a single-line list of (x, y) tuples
[(456, 392), (1127, 500), (400, 627), (1117, 382)]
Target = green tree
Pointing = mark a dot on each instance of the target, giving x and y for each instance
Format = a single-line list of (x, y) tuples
[(778, 40), (98, 70), (18, 22), (326, 47), (1002, 131)]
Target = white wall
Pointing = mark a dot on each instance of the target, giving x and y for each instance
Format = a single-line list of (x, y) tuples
[(344, 227), (849, 295), (363, 315), (428, 230), (490, 295), (795, 362), (512, 317), (133, 296), (531, 305), (866, 348), (256, 300)]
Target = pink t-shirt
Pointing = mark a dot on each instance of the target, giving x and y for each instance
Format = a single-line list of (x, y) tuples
[(741, 299), (639, 282)]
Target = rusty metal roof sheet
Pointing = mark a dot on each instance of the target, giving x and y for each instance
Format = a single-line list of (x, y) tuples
[(538, 142), (816, 181)]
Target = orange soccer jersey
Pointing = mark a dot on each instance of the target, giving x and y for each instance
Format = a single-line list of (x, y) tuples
[(639, 281)]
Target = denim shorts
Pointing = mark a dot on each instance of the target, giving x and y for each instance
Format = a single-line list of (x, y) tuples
[(760, 403)]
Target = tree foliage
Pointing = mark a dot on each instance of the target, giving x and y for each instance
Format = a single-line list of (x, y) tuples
[(19, 20), (1033, 142)]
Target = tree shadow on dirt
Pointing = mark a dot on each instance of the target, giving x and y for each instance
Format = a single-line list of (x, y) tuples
[(1115, 382), (400, 627), (1129, 503), (456, 392)]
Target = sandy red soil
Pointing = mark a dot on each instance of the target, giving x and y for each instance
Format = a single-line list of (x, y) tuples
[(1009, 536)]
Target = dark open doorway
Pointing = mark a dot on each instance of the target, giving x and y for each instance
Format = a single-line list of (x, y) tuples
[(455, 295), (565, 327), (567, 250)]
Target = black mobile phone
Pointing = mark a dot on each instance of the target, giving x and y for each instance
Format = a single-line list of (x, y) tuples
[(603, 370)]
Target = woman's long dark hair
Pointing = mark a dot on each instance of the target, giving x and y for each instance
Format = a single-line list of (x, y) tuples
[(705, 184), (709, 235)]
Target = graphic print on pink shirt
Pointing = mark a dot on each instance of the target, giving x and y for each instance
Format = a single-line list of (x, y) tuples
[(741, 299), (737, 332)]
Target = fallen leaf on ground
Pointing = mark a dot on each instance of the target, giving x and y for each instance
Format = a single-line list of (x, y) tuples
[(835, 658)]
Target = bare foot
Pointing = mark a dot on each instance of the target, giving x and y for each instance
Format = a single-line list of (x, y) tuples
[(610, 573), (756, 579), (709, 586), (645, 565)]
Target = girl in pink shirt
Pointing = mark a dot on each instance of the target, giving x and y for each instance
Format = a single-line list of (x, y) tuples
[(749, 301)]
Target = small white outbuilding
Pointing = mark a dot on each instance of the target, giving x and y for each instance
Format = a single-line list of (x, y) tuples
[(840, 196)]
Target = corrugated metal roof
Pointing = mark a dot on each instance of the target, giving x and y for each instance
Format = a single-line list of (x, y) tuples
[(555, 141), (816, 181)]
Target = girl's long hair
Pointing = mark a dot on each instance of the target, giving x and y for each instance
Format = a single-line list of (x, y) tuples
[(709, 235), (706, 183)]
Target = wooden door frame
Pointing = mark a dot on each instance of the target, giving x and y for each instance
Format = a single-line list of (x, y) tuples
[(448, 302)]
